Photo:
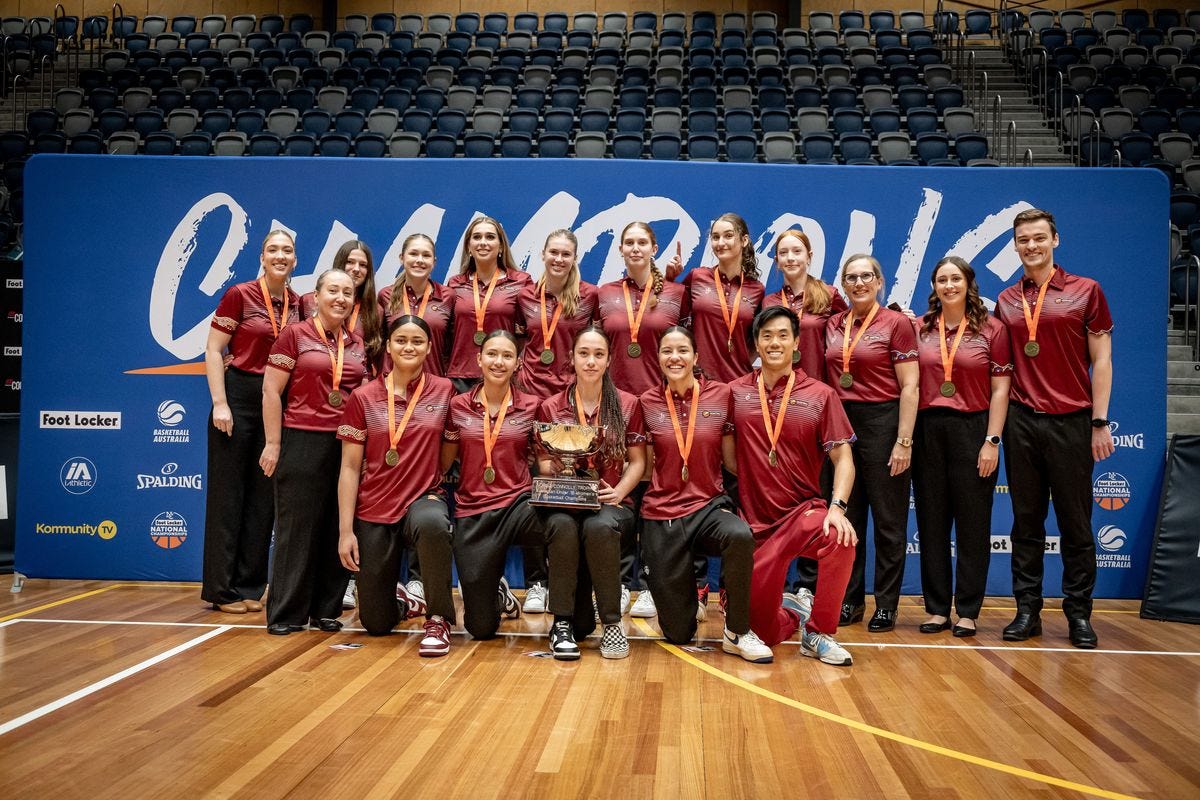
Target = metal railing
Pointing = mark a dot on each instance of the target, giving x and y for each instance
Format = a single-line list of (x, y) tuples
[(1011, 142)]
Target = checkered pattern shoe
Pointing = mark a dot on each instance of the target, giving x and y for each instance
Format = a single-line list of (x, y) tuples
[(613, 643), (509, 607), (644, 605), (535, 599), (410, 605), (436, 641), (826, 648), (562, 641)]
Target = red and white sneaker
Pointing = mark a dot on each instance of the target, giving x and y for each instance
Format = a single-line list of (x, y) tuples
[(411, 605), (723, 600), (436, 641), (702, 602)]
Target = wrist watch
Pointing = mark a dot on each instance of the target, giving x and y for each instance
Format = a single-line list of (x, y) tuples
[(992, 440), (840, 504), (904, 441), (1099, 423)]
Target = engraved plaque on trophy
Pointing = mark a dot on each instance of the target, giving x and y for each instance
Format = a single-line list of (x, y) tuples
[(568, 442)]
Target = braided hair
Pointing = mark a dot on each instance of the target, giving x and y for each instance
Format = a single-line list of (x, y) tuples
[(613, 449)]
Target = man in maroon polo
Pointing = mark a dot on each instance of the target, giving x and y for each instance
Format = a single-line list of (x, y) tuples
[(1060, 328)]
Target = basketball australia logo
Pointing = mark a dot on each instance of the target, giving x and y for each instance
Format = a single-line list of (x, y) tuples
[(170, 416), (1112, 491)]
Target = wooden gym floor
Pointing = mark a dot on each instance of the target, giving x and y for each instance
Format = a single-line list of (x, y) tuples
[(138, 690)]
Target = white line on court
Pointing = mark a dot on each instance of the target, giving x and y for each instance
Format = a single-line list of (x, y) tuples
[(38, 713), (634, 637)]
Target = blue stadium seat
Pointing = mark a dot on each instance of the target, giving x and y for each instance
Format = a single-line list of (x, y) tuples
[(818, 148), (553, 144), (264, 144), (516, 145), (479, 145)]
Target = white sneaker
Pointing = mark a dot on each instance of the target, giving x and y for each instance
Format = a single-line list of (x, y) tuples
[(701, 612), (613, 643), (562, 641), (801, 602), (644, 605), (624, 603), (748, 646), (535, 599), (348, 599), (416, 589), (826, 648)]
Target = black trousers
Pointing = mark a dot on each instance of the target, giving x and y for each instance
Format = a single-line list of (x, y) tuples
[(426, 529), (630, 549), (1044, 455), (876, 425), (599, 535), (307, 577), (240, 505), (481, 545), (668, 547), (949, 493)]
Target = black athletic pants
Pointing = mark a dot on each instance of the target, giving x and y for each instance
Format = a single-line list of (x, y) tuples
[(307, 577), (599, 535), (1044, 455), (425, 528), (950, 493), (240, 505), (668, 547)]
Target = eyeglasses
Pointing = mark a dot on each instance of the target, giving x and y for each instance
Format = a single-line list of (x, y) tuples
[(861, 277)]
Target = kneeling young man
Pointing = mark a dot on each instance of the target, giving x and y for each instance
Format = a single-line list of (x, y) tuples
[(784, 424)]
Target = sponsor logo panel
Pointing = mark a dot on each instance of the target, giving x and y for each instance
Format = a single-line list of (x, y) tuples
[(79, 420), (171, 414), (1112, 491), (169, 478), (105, 529), (78, 475), (1112, 541), (168, 530)]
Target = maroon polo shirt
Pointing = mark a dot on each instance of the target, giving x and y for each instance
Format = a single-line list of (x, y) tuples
[(814, 424), (636, 375), (668, 496), (384, 492), (812, 327), (438, 315), (716, 357), (542, 379), (1058, 380), (242, 314), (561, 408), (979, 357), (510, 458), (889, 341), (302, 353), (501, 314)]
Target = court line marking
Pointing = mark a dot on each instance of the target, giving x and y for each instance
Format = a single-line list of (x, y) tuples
[(883, 733), (71, 599), (55, 705)]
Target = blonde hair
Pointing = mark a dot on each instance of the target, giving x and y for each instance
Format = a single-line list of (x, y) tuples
[(876, 267), (817, 298), (396, 301), (569, 300)]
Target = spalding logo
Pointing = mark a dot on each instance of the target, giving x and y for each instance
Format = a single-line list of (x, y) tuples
[(1111, 538)]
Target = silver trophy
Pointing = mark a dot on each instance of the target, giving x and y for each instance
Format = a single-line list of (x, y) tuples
[(569, 443)]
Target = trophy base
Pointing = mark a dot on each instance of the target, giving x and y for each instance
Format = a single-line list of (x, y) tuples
[(573, 493)]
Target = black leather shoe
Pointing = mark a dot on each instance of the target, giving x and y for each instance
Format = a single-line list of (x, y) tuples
[(934, 627), (963, 631), (882, 621), (1024, 625), (1081, 633), (283, 629), (851, 614), (327, 625)]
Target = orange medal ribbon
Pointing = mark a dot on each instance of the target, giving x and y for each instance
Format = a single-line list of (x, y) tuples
[(481, 310), (548, 332), (489, 438), (354, 316), (847, 345), (635, 323), (276, 327), (394, 433), (773, 430), (1031, 320), (729, 317), (685, 446), (337, 363), (424, 300), (948, 356)]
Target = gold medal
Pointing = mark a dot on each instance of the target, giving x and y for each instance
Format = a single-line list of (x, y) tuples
[(846, 381), (683, 473), (335, 399), (1032, 349), (773, 458), (948, 389), (634, 349), (489, 475), (480, 337), (547, 356), (729, 345), (795, 356), (392, 458)]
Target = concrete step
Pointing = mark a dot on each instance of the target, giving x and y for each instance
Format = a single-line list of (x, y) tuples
[(1183, 369), (1180, 387), (1183, 404), (1178, 352), (1183, 423)]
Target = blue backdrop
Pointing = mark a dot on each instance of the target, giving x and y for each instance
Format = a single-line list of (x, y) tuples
[(126, 259)]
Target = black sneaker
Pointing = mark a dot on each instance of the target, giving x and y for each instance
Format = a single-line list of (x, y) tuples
[(562, 641), (509, 607)]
